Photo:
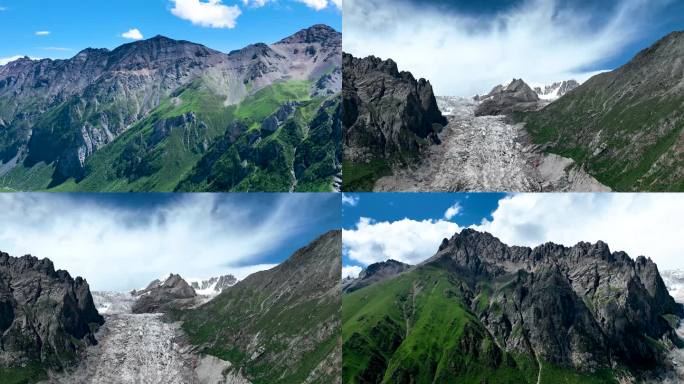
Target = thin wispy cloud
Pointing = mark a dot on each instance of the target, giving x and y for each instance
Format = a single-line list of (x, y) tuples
[(59, 49), (119, 248), (42, 33), (132, 34), (461, 54), (453, 211), (350, 200)]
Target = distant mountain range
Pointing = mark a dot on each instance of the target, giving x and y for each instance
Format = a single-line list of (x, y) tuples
[(170, 115), (481, 311)]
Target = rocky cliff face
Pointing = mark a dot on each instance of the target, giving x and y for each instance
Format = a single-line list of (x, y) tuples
[(514, 315), (626, 126), (46, 316), (388, 115), (504, 100), (56, 114), (607, 305), (375, 273), (266, 323)]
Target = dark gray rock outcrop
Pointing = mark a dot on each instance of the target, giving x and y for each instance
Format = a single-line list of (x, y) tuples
[(503, 100), (160, 296), (375, 273), (46, 316), (582, 306), (387, 114)]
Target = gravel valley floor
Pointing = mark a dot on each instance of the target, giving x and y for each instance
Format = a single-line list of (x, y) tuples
[(486, 154), (142, 349)]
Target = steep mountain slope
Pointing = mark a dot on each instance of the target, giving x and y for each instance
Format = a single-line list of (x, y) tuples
[(388, 117), (143, 116), (626, 126), (280, 325), (480, 311), (46, 318)]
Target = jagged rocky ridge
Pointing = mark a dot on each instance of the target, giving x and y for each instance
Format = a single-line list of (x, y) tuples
[(46, 317), (156, 106), (513, 315), (388, 117), (625, 126), (280, 325)]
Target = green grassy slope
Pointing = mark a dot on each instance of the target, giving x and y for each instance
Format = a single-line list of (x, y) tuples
[(277, 326), (625, 127), (192, 141), (416, 328)]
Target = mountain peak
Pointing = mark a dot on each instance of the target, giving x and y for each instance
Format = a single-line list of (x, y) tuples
[(319, 33)]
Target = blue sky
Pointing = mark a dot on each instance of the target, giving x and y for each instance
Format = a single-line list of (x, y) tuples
[(124, 241), (74, 25), (466, 47), (409, 227)]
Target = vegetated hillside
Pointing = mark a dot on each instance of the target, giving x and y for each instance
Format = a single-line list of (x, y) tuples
[(280, 325), (154, 115), (481, 311), (388, 117), (626, 127), (46, 318)]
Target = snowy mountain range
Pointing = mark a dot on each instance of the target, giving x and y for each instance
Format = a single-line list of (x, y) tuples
[(110, 303), (674, 281), (556, 90)]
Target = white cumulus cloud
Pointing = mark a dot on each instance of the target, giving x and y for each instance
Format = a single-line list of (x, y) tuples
[(408, 241), (351, 271), (133, 34), (210, 13), (538, 40), (639, 224), (117, 248)]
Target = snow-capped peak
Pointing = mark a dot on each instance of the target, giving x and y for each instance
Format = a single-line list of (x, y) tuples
[(555, 90), (212, 286), (674, 281)]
